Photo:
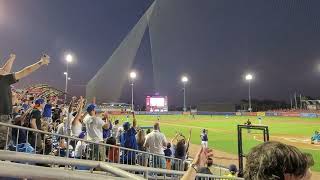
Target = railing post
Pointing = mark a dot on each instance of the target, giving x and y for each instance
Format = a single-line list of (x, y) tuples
[(17, 140), (5, 148)]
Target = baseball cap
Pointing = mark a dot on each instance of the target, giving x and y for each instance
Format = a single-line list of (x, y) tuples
[(126, 125), (91, 107), (39, 101), (233, 168)]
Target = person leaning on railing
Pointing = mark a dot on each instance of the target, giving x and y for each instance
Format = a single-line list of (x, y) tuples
[(6, 79)]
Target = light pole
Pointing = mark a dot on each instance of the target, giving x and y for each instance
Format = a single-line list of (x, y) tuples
[(68, 59), (184, 80), (133, 76), (249, 77)]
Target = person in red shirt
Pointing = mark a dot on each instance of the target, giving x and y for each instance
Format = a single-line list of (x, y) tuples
[(113, 152)]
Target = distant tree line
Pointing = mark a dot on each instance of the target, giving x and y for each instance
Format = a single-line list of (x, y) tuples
[(263, 105)]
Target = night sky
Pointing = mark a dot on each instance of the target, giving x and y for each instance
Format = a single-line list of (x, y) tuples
[(215, 42)]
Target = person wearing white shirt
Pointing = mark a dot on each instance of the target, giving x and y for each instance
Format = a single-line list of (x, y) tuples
[(76, 124), (155, 143), (94, 129)]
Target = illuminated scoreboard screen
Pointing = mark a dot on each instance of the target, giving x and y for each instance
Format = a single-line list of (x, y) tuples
[(157, 103)]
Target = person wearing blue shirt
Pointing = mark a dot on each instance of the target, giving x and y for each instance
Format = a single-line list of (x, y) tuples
[(107, 132), (47, 112), (128, 140)]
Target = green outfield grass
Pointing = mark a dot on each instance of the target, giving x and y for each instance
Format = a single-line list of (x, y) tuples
[(223, 130)]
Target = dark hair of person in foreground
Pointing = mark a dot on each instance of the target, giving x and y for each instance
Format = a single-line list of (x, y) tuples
[(277, 161)]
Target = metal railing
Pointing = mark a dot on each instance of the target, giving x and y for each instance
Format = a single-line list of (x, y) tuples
[(35, 172), (23, 139)]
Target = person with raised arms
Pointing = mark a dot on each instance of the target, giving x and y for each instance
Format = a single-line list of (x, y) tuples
[(6, 80)]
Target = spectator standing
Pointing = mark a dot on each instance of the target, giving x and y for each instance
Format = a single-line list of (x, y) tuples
[(76, 123), (155, 143), (80, 148), (94, 126), (113, 152), (107, 132), (141, 137), (7, 79), (36, 123), (47, 112), (128, 140), (115, 129), (56, 113), (168, 153), (180, 149)]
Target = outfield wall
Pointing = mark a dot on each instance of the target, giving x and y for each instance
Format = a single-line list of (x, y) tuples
[(269, 113)]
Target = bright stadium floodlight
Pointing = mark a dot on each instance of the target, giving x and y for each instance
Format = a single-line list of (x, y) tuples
[(69, 58), (133, 76), (184, 80), (69, 78), (65, 73), (249, 77)]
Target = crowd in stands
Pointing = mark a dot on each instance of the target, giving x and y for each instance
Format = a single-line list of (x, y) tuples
[(98, 137)]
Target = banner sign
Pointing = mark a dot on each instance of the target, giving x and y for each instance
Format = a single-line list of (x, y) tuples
[(249, 114), (289, 114), (311, 115), (261, 113)]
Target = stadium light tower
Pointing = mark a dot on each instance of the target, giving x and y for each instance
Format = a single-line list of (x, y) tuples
[(249, 78), (68, 59), (133, 76), (184, 80)]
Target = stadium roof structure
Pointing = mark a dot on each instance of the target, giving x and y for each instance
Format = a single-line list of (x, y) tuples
[(44, 91), (107, 84)]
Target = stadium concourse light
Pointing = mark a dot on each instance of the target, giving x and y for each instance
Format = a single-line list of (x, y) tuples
[(68, 59), (249, 78), (184, 80), (133, 76)]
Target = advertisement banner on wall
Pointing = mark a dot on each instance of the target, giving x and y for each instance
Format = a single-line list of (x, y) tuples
[(289, 114), (238, 114), (311, 115), (250, 114), (271, 113), (261, 113)]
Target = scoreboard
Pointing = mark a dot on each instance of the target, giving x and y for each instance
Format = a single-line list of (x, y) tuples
[(156, 103)]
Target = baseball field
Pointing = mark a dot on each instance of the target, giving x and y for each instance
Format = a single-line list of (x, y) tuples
[(222, 132)]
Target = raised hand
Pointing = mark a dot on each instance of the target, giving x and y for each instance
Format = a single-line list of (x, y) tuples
[(12, 56), (202, 157), (45, 59)]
